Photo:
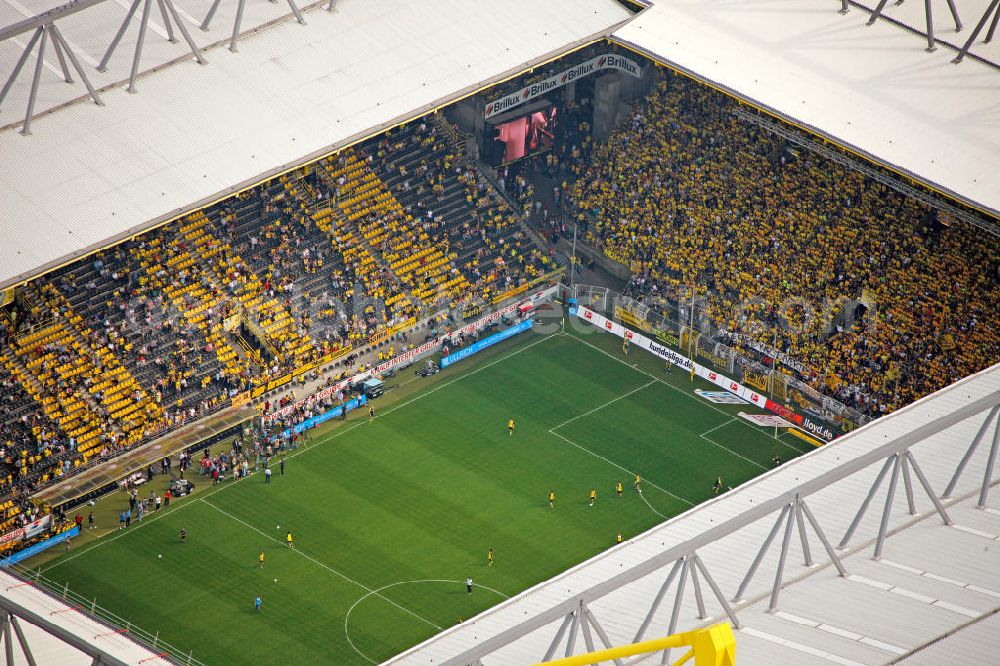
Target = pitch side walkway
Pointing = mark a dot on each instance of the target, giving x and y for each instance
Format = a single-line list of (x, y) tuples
[(98, 477)]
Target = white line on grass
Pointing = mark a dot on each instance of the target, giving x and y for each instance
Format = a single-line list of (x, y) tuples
[(643, 498), (103, 540), (402, 582), (600, 407), (726, 448), (681, 391), (317, 562), (724, 423), (333, 435), (343, 431), (614, 464)]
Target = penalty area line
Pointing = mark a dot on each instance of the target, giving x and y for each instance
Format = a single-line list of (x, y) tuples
[(614, 464)]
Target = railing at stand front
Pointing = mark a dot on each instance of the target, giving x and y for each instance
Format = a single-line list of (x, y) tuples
[(77, 603)]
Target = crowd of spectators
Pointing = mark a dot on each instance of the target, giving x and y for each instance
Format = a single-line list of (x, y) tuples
[(691, 197), (170, 326)]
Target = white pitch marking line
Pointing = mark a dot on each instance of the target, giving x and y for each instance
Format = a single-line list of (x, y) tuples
[(317, 562), (402, 582), (600, 407), (614, 464), (304, 449), (726, 448), (724, 423), (682, 392)]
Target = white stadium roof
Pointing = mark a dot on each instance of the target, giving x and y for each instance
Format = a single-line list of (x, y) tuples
[(935, 585), (56, 632), (873, 89), (193, 133), (89, 175)]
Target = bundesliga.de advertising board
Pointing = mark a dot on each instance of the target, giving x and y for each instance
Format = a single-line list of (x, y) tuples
[(734, 387)]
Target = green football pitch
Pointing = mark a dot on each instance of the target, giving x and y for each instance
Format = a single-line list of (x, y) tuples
[(391, 515)]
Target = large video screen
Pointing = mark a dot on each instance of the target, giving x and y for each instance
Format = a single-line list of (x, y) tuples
[(525, 136)]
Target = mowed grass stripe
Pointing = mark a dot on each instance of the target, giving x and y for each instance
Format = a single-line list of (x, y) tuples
[(419, 493)]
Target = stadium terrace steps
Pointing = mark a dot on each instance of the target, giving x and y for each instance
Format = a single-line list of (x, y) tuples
[(34, 362), (121, 295), (279, 326), (170, 268), (392, 231), (359, 253), (482, 230), (130, 407), (69, 414)]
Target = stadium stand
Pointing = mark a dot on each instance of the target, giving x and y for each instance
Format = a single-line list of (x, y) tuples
[(166, 328), (775, 237), (457, 208)]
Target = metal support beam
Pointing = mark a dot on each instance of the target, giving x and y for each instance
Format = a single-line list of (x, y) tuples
[(979, 28), (167, 7), (601, 633), (588, 640), (954, 15), (33, 95), (554, 645), (877, 13), (103, 65), (721, 598), (803, 537), (929, 16), (780, 572), (67, 77), (236, 25), (20, 63), (676, 611), (58, 38), (143, 23), (993, 26), (657, 601), (238, 20), (867, 501), (991, 460), (950, 488), (887, 509), (43, 33), (198, 55), (822, 537), (210, 15), (697, 588), (166, 21), (908, 485), (760, 553), (45, 18), (22, 640), (8, 640), (571, 641), (925, 484), (298, 14)]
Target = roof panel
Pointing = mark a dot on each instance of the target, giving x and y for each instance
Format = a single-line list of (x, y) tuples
[(290, 92), (871, 88)]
